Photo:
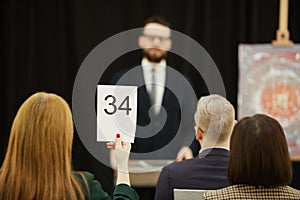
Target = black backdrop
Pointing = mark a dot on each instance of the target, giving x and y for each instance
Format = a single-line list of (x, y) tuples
[(44, 42)]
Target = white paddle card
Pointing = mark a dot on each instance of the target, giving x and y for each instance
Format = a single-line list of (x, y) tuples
[(116, 112)]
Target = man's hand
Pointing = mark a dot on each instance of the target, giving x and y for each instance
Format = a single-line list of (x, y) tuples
[(184, 153)]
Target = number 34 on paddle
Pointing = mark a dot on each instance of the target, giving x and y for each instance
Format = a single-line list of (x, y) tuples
[(116, 112)]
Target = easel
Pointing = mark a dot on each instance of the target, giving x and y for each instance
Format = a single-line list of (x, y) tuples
[(283, 34), (283, 37)]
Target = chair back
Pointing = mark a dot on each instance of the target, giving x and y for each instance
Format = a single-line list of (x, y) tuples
[(190, 194)]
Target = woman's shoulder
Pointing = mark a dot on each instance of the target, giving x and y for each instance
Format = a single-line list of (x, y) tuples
[(81, 175), (230, 192), (224, 192), (242, 191), (291, 191), (91, 187), (94, 188), (85, 179)]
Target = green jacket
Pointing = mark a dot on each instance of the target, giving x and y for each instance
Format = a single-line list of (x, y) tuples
[(121, 191)]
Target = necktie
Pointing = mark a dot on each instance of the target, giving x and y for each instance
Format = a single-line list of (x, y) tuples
[(153, 86)]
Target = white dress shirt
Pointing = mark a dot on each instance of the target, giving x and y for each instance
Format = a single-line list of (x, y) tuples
[(215, 147), (160, 78)]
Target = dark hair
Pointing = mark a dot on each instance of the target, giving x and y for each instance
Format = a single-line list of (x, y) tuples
[(259, 153), (157, 19)]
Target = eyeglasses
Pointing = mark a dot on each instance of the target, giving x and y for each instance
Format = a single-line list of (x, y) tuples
[(153, 37)]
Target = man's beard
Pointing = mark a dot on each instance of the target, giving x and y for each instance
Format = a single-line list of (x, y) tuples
[(154, 59)]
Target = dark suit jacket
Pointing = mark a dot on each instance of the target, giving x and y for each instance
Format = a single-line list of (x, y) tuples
[(207, 171), (161, 136), (252, 192)]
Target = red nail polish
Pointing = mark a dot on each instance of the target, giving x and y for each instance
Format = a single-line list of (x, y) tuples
[(118, 135)]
